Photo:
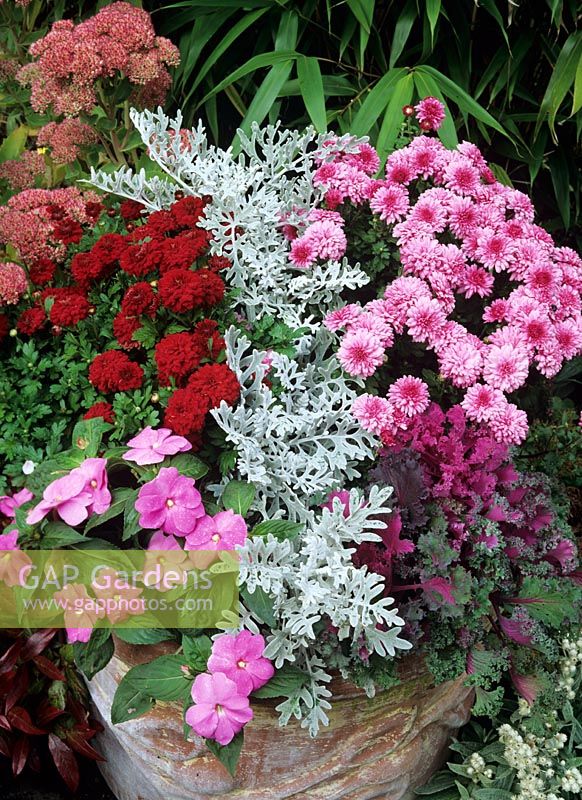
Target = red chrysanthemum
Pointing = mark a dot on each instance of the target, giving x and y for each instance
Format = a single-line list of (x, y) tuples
[(31, 320), (182, 251), (158, 224), (113, 371), (140, 299), (186, 412), (217, 382), (68, 231), (94, 210), (109, 249), (123, 329), (188, 211), (182, 290), (177, 355), (42, 271), (217, 263), (210, 340), (130, 210), (86, 268), (69, 307), (103, 410), (141, 259)]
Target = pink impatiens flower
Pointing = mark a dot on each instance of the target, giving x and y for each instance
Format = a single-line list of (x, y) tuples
[(240, 658), (9, 504), (94, 472), (170, 502), (67, 496), (152, 446), (220, 712), (222, 532)]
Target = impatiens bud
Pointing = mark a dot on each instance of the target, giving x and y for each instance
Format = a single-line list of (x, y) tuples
[(155, 397), (13, 332), (111, 212), (408, 111), (130, 227)]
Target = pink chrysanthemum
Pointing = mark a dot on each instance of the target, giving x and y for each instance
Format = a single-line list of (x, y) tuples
[(425, 320), (342, 317), (390, 202), (409, 395), (303, 253), (327, 239), (496, 311), (482, 401), (477, 281), (375, 325), (430, 113), (509, 424), (461, 363), (360, 353), (461, 176), (373, 413), (506, 368)]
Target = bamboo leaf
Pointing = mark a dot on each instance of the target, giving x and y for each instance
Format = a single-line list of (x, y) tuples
[(311, 84), (376, 100), (402, 30), (577, 100), (433, 10), (563, 76), (401, 96), (264, 98), (363, 11), (465, 102)]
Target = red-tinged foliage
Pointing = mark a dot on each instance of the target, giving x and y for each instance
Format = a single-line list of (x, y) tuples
[(43, 707), (65, 761)]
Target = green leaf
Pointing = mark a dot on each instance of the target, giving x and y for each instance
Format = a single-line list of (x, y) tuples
[(269, 59), (375, 101), (260, 604), (465, 102), (87, 436), (363, 11), (561, 183), (131, 525), (284, 683), (14, 144), (197, 651), (311, 84), (95, 654), (577, 99), (439, 782), (563, 76), (552, 607), (279, 528), (189, 465), (401, 96), (238, 496), (143, 635), (129, 702), (402, 30), (119, 498), (57, 535), (265, 96), (492, 794), (227, 754), (162, 678), (433, 10)]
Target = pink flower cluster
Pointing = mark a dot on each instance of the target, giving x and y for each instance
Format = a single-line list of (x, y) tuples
[(71, 59), (66, 139), (13, 283), (236, 668), (464, 236), (323, 236), (21, 173), (430, 113), (29, 219), (75, 496)]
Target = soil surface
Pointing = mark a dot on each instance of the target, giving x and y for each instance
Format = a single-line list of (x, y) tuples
[(48, 786)]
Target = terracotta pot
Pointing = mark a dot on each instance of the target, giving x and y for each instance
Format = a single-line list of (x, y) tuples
[(373, 748)]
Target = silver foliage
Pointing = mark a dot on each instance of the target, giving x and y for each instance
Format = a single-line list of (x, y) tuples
[(251, 195), (313, 578)]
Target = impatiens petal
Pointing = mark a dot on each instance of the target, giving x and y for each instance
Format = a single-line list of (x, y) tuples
[(73, 512)]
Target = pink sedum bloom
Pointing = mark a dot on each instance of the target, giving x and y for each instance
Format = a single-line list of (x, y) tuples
[(222, 532), (152, 446), (220, 712), (170, 502), (9, 504), (240, 658)]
